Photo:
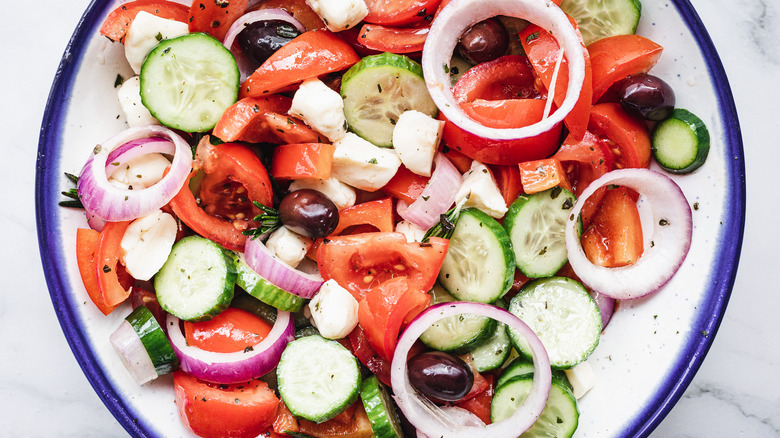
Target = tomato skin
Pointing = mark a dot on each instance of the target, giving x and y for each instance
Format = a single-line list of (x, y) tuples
[(291, 130), (118, 21), (231, 330), (302, 160), (297, 8), (362, 349), (631, 148), (352, 423), (614, 238), (245, 120), (616, 57), (86, 246), (479, 405), (405, 185), (215, 18), (540, 175), (107, 268), (393, 39), (507, 77), (508, 181), (243, 410), (311, 54), (400, 12)]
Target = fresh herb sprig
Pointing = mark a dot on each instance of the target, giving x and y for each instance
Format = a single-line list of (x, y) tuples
[(446, 225), (74, 200), (269, 221)]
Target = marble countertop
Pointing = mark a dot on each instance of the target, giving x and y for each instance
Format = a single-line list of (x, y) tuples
[(735, 393)]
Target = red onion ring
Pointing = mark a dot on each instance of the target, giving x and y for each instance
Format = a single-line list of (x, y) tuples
[(429, 418), (279, 273), (108, 202), (606, 307), (437, 196), (136, 148), (133, 354), (458, 16), (236, 367), (670, 239)]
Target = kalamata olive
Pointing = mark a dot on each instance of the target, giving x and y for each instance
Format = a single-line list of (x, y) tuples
[(484, 41), (440, 375), (646, 96), (309, 212), (261, 39)]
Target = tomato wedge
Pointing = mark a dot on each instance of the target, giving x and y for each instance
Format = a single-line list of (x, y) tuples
[(405, 185), (400, 12), (215, 17), (507, 77), (291, 130), (616, 57), (86, 246), (394, 39), (508, 181), (304, 160), (614, 237), (118, 21), (629, 139), (245, 120), (231, 330), (539, 175), (107, 268)]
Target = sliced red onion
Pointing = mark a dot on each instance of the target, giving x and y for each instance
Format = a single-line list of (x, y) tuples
[(136, 148), (108, 202), (279, 273), (457, 416), (437, 196), (430, 419), (606, 307), (237, 367), (669, 240), (245, 65), (133, 353), (458, 16)]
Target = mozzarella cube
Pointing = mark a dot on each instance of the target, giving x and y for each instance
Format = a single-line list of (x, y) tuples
[(339, 15), (288, 246), (416, 137), (581, 378), (136, 113), (480, 190), (412, 232), (145, 32), (321, 108), (362, 165), (147, 244), (140, 172), (341, 194), (334, 311)]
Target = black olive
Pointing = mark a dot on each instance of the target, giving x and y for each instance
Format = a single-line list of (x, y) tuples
[(440, 375), (261, 39), (309, 213), (484, 41), (646, 96)]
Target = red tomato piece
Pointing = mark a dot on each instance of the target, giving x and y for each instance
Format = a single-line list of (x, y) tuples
[(362, 349), (352, 423), (629, 139), (215, 17), (291, 130), (507, 77), (394, 39), (86, 245), (460, 161), (616, 57), (542, 50), (243, 410), (245, 120), (479, 405), (400, 12), (508, 181), (107, 266), (303, 160), (378, 213), (311, 54), (230, 331), (614, 237), (119, 20), (540, 175), (360, 262), (405, 185), (297, 8)]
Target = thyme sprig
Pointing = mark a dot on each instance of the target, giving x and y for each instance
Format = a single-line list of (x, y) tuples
[(446, 225), (74, 200), (269, 221)]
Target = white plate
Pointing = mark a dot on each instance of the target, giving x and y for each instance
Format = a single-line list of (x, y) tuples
[(647, 356)]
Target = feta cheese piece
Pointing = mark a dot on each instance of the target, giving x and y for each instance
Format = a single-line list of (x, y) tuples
[(147, 244), (145, 32), (416, 137), (136, 113), (339, 15), (321, 108), (140, 172), (363, 165), (288, 246), (581, 378), (481, 191), (334, 311), (412, 232), (341, 194)]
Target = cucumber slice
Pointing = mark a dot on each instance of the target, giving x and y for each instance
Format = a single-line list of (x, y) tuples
[(377, 90), (318, 378), (189, 81), (598, 19), (681, 142), (480, 264), (380, 410), (197, 280), (535, 225), (493, 352), (522, 366), (459, 333), (262, 289), (564, 316), (154, 339), (559, 418)]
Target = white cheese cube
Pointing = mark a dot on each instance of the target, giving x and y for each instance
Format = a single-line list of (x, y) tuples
[(288, 246), (412, 232), (416, 137), (334, 311), (321, 108), (140, 172), (145, 32), (341, 194), (147, 244), (481, 191), (136, 113), (581, 378), (339, 15), (362, 165)]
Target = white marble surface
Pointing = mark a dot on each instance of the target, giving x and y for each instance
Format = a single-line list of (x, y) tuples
[(43, 392)]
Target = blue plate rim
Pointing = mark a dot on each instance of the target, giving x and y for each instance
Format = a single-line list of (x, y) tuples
[(47, 198)]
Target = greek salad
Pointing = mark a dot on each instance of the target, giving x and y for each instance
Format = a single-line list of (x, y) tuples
[(358, 218)]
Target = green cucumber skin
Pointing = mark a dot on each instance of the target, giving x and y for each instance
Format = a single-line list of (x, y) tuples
[(700, 131), (560, 403), (154, 340), (382, 60), (383, 418), (439, 338), (258, 287), (494, 351), (596, 23)]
